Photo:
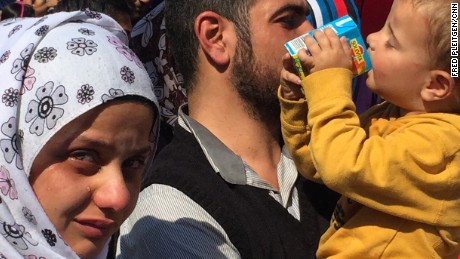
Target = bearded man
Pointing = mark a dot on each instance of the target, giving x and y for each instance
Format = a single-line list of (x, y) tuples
[(225, 187)]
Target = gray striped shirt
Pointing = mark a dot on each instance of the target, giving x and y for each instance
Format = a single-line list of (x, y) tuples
[(168, 224)]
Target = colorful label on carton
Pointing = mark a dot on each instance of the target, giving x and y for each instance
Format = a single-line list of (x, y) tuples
[(344, 26)]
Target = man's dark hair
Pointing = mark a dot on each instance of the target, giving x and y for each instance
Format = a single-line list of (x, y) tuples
[(180, 17)]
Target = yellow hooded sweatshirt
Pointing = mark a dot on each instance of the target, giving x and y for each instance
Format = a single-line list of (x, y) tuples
[(399, 176)]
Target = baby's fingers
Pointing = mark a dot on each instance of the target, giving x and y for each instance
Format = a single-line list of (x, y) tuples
[(288, 63), (322, 40), (345, 46), (288, 77), (312, 45), (290, 85), (306, 60), (334, 40)]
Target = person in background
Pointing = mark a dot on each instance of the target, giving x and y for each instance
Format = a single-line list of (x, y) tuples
[(42, 7), (4, 3), (142, 7), (149, 41), (120, 10), (17, 9), (72, 151), (396, 165)]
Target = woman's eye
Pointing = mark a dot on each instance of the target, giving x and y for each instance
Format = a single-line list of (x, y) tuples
[(83, 156), (85, 161), (134, 163)]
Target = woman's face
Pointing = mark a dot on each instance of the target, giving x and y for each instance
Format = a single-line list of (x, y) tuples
[(87, 177)]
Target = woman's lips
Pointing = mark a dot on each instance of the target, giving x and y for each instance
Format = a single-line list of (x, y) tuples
[(96, 228)]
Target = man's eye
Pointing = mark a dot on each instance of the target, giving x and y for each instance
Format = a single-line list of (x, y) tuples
[(292, 21)]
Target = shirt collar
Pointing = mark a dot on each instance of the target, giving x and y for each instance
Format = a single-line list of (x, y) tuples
[(230, 166)]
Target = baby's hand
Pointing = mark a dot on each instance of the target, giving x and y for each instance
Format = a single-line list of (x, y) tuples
[(328, 51), (290, 81)]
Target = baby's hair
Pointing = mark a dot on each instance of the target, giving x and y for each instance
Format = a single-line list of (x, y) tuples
[(438, 14)]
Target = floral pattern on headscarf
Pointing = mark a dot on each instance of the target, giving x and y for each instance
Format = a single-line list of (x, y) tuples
[(52, 73), (46, 108), (16, 235), (9, 143), (82, 46), (7, 185), (123, 49), (19, 65)]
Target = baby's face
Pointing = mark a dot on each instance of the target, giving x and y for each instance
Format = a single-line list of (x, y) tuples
[(399, 55)]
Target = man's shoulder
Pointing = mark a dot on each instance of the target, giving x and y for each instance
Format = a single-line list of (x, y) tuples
[(172, 225), (183, 148)]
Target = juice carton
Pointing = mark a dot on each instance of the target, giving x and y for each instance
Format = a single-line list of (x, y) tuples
[(344, 26)]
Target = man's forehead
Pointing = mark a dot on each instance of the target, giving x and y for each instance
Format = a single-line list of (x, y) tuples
[(275, 5)]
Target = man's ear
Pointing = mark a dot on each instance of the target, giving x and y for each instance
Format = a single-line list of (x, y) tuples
[(210, 29), (440, 87)]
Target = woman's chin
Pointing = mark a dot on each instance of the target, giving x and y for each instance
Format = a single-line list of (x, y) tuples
[(87, 249)]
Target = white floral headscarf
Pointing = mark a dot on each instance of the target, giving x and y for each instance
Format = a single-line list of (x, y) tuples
[(52, 70)]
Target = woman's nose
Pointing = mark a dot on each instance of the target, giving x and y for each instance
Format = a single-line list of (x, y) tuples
[(112, 191)]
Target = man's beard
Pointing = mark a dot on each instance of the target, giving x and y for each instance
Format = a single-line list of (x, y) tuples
[(257, 85)]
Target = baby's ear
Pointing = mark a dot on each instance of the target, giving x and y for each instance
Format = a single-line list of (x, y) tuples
[(440, 87)]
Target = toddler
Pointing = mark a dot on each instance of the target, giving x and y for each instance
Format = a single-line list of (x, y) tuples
[(397, 165)]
